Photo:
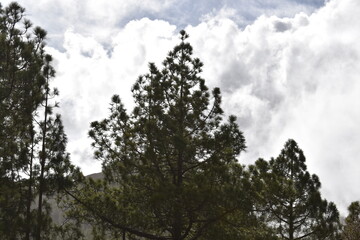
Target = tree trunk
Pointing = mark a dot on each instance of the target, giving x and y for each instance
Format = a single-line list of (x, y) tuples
[(42, 169), (29, 200)]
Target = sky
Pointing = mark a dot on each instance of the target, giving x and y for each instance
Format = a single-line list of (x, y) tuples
[(286, 68)]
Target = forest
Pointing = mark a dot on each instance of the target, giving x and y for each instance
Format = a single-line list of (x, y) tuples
[(171, 167)]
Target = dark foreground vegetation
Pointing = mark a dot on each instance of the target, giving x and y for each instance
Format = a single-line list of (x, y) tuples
[(170, 166)]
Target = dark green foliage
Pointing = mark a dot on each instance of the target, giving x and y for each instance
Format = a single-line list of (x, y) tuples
[(58, 170), (21, 93), (169, 165), (351, 229), (25, 72), (242, 223), (290, 199)]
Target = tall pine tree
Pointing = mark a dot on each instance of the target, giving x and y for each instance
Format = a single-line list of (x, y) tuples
[(25, 72), (21, 93), (168, 165)]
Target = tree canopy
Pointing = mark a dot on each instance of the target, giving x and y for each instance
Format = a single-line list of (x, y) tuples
[(168, 165), (290, 197), (352, 222), (33, 158)]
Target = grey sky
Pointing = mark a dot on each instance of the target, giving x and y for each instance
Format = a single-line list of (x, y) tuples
[(287, 69)]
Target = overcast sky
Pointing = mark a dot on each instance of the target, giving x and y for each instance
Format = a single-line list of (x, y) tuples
[(287, 69)]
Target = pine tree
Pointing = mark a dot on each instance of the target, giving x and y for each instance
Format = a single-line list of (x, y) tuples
[(290, 197), (168, 165), (25, 71), (21, 93), (351, 229), (49, 73)]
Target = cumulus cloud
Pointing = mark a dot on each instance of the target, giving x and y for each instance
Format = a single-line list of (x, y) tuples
[(101, 19), (92, 18), (88, 75), (293, 78)]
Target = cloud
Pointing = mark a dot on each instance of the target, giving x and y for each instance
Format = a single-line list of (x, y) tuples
[(91, 18), (101, 19), (293, 78), (88, 75)]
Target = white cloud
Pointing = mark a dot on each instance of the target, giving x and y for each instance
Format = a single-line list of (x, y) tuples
[(101, 19), (293, 78), (93, 18), (88, 75)]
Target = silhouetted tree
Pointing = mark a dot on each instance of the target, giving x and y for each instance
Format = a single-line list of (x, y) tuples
[(21, 93), (351, 229), (25, 72), (289, 197), (168, 165)]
